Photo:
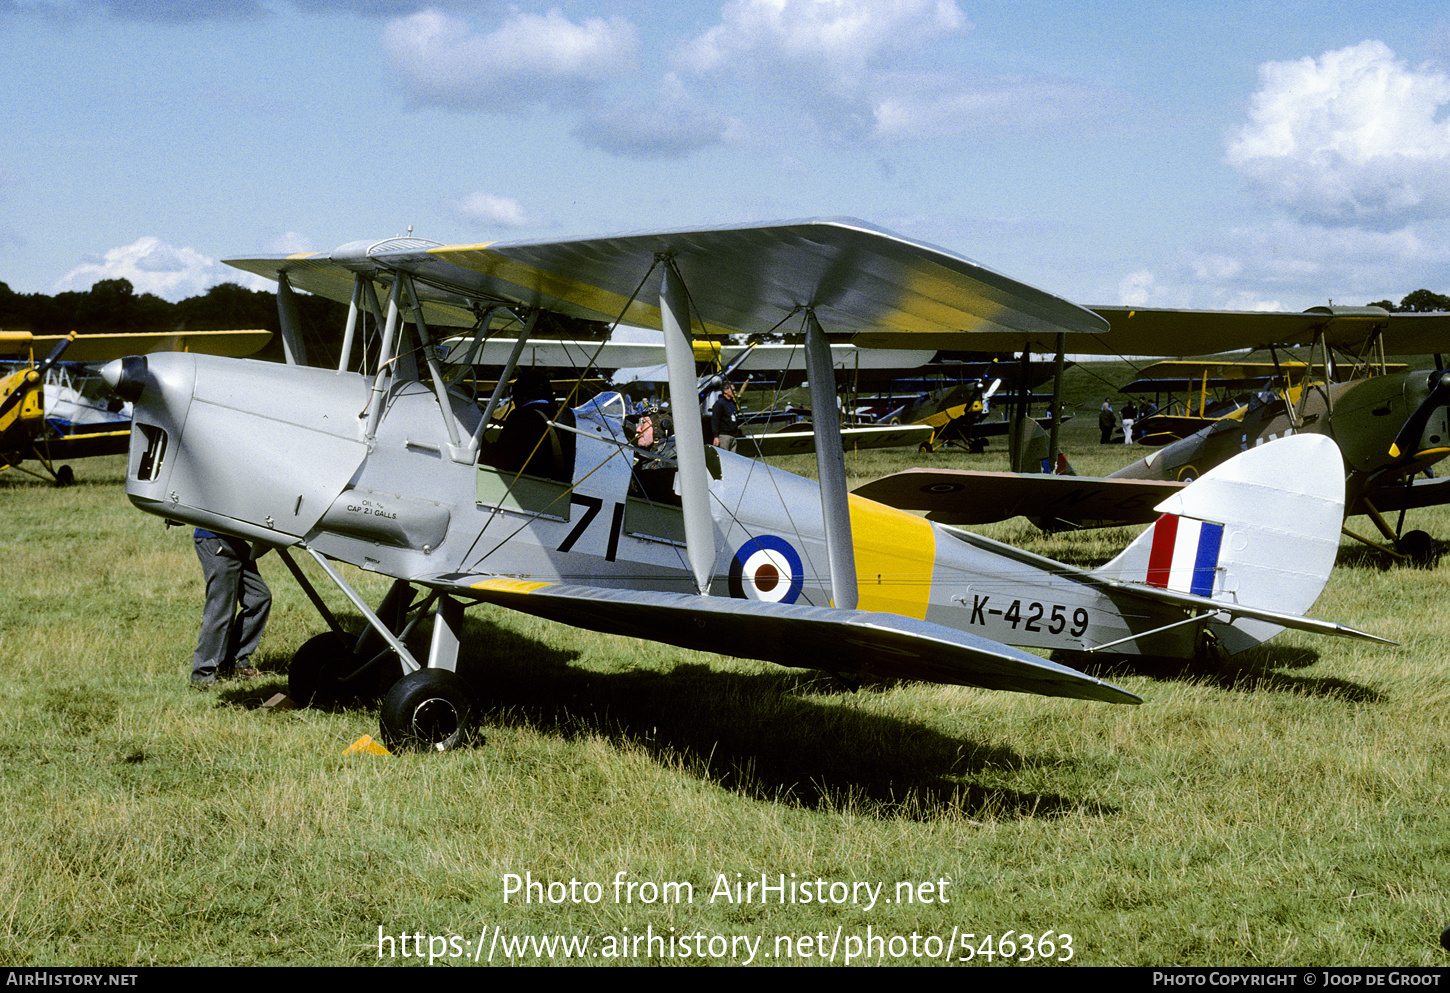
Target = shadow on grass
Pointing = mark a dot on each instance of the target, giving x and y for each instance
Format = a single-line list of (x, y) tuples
[(1259, 669), (789, 736)]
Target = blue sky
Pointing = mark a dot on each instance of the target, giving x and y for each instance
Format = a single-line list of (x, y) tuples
[(1238, 154)]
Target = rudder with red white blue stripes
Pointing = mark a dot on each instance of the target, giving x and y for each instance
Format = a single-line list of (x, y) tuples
[(1184, 554)]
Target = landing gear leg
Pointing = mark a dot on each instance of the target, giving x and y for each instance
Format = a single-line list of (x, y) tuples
[(335, 667), (1416, 546)]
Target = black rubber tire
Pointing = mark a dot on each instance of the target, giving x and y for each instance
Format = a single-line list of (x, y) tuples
[(312, 678), (430, 709), (1419, 546)]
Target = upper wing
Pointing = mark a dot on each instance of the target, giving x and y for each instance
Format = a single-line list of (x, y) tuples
[(849, 642), (955, 496), (741, 279), (1144, 331)]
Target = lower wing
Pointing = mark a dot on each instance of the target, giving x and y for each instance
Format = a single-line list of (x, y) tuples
[(848, 642)]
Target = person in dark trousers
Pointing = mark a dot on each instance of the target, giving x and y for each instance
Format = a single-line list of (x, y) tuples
[(725, 419), (1106, 422), (238, 603)]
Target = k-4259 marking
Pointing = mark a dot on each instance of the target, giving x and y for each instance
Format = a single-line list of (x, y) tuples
[(1033, 616)]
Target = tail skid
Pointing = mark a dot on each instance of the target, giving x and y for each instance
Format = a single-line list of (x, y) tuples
[(1252, 542)]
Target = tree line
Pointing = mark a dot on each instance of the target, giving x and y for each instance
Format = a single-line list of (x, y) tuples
[(112, 306), (1418, 302)]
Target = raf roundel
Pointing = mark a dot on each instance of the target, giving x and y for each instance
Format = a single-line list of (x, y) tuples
[(767, 568)]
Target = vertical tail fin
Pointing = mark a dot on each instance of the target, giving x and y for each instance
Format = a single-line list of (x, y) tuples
[(1261, 530)]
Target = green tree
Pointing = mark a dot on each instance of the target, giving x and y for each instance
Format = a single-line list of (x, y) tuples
[(1424, 302)]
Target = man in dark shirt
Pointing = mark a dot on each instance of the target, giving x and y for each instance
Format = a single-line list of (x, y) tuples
[(725, 419)]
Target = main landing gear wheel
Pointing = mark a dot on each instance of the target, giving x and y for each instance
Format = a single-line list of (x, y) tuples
[(65, 476), (313, 678), (426, 710), (1419, 546)]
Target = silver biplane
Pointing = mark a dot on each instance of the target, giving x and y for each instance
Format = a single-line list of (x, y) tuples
[(394, 473)]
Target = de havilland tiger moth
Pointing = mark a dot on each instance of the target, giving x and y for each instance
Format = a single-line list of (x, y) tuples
[(396, 473)]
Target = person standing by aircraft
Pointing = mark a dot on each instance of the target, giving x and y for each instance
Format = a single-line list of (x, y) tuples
[(238, 603), (1106, 422), (725, 418)]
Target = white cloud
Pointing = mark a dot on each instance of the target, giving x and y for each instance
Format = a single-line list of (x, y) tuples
[(827, 58), (152, 266), (288, 243), (1135, 289), (1354, 137), (490, 210), (840, 39), (529, 59)]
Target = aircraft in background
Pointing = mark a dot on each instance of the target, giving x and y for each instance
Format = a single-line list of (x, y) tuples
[(46, 414), (637, 368), (1389, 427), (395, 474)]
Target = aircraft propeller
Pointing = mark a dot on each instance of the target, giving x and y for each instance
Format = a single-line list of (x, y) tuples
[(38, 373), (1408, 439)]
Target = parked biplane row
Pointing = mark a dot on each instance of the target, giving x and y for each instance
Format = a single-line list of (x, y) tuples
[(1390, 423), (395, 469)]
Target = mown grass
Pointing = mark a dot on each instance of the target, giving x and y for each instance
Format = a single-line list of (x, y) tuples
[(1287, 806)]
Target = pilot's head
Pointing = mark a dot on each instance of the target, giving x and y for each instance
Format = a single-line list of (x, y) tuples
[(531, 384)]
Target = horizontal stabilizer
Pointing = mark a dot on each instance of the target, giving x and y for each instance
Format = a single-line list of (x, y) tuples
[(1232, 611), (848, 642)]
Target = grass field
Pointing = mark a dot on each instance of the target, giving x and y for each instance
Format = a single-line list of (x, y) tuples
[(1286, 807)]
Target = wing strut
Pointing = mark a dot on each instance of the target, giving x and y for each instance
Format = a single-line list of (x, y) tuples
[(503, 379), (385, 359), (354, 309), (831, 466), (440, 389), (693, 476), (292, 345)]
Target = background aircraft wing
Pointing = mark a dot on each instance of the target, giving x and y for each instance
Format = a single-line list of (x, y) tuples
[(1395, 495), (955, 496), (803, 442), (105, 347), (85, 446), (1148, 331), (849, 642), (742, 279)]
